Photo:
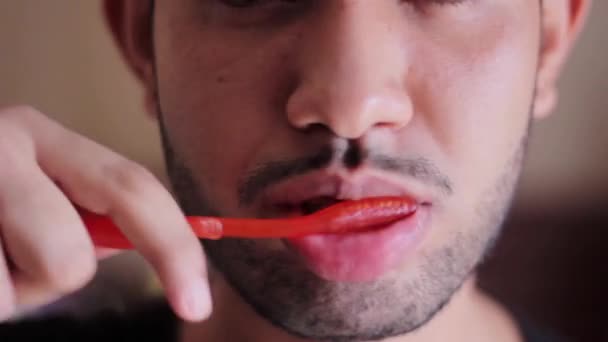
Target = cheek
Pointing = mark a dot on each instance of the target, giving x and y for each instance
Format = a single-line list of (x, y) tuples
[(473, 94), (221, 108), (476, 92)]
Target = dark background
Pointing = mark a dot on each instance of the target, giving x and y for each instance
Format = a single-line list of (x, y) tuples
[(553, 266)]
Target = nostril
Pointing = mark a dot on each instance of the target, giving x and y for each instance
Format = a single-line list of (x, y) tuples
[(354, 155), (314, 127)]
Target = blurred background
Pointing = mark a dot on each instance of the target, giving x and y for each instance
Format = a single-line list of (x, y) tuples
[(552, 262)]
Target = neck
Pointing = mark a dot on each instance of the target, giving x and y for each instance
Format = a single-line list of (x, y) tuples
[(470, 316)]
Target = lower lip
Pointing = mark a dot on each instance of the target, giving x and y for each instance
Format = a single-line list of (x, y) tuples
[(364, 256)]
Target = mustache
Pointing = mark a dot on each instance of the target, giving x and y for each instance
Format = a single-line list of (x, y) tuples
[(267, 174)]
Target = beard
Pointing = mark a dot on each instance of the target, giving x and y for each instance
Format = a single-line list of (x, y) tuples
[(276, 284), (282, 290)]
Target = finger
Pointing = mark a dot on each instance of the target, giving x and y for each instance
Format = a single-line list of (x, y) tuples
[(106, 183), (103, 253), (42, 233), (7, 292), (166, 242)]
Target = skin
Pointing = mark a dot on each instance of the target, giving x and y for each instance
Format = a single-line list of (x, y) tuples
[(454, 85)]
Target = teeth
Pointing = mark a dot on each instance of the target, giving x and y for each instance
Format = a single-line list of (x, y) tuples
[(316, 204)]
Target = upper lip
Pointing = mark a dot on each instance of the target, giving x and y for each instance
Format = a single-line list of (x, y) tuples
[(299, 189)]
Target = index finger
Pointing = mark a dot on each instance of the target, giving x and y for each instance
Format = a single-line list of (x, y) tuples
[(104, 182)]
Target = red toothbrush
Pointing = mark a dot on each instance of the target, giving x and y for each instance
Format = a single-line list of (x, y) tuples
[(343, 217)]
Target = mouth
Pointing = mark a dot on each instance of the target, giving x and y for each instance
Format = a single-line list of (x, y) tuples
[(307, 207), (356, 256), (308, 194)]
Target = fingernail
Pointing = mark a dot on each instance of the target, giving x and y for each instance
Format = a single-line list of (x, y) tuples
[(198, 300)]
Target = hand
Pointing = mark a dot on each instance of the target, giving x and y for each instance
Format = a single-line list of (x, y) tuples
[(45, 251)]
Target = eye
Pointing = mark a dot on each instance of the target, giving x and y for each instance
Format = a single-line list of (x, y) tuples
[(240, 3), (435, 8), (251, 3), (447, 2), (254, 13), (436, 2), (443, 2)]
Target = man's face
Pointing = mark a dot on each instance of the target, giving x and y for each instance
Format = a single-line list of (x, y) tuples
[(279, 108)]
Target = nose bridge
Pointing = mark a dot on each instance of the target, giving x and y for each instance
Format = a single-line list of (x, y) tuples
[(353, 69)]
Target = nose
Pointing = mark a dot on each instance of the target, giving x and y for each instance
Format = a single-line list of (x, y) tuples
[(352, 68)]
